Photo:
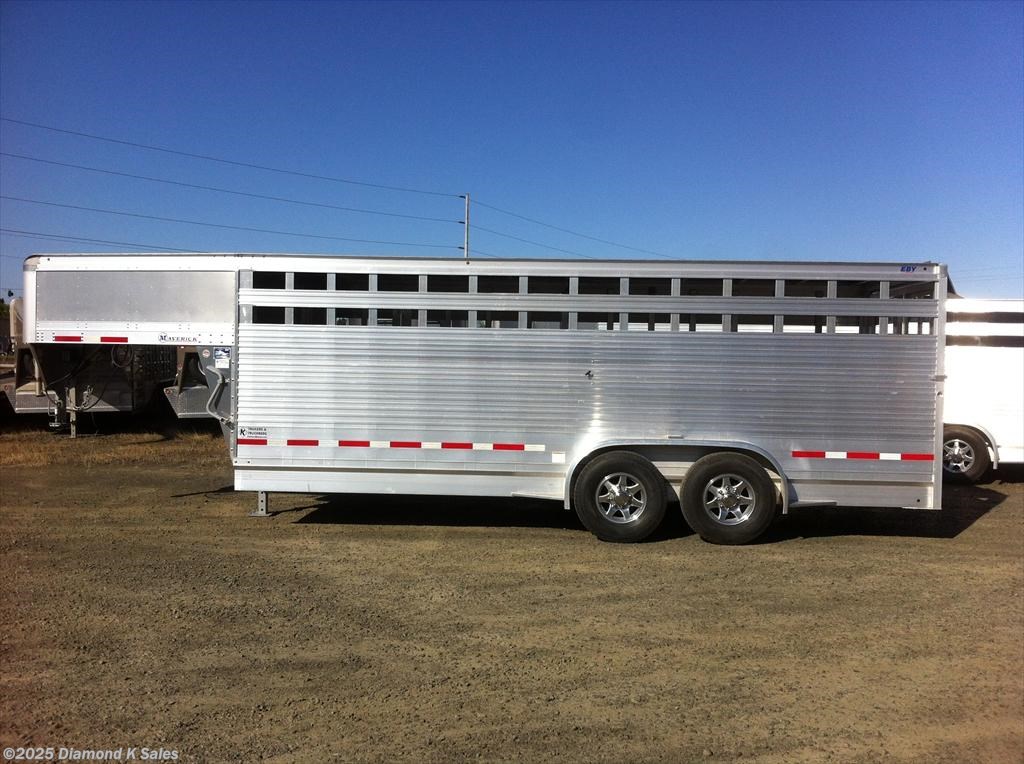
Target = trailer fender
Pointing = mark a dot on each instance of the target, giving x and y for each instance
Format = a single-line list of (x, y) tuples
[(725, 445)]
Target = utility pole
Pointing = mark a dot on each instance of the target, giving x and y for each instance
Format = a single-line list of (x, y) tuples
[(465, 239)]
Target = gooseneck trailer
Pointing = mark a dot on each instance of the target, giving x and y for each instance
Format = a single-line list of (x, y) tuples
[(745, 388)]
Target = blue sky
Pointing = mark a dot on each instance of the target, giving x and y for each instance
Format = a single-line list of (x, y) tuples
[(807, 131)]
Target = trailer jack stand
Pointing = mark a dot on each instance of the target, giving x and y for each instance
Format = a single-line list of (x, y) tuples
[(261, 505)]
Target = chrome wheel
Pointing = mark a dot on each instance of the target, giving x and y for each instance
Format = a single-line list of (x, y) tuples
[(957, 456), (729, 499), (621, 498)]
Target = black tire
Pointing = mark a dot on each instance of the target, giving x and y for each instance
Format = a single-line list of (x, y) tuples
[(635, 497), (742, 495), (964, 454)]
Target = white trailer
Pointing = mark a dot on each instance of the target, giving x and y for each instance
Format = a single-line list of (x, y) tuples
[(984, 410), (743, 387)]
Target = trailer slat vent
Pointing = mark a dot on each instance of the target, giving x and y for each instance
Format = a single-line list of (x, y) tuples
[(311, 316), (443, 283), (754, 323), (911, 290), (545, 320), (753, 288), (310, 281), (497, 284), (352, 282), (650, 322), (264, 314), (450, 319), (857, 289), (700, 322), (397, 317), (806, 288), (351, 317), (398, 282), (649, 287), (599, 321), (268, 280), (548, 285), (803, 324), (701, 287), (497, 319), (599, 285)]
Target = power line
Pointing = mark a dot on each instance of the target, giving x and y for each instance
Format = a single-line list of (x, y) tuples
[(222, 225), (60, 237), (43, 236), (480, 252), (298, 173), (233, 162), (534, 243), (566, 230), (228, 190)]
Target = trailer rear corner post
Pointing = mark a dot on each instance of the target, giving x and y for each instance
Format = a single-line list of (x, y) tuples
[(262, 505)]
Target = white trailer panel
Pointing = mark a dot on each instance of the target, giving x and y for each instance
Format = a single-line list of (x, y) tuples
[(984, 385)]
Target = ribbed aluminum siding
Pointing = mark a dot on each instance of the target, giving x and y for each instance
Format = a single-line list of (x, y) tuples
[(783, 392)]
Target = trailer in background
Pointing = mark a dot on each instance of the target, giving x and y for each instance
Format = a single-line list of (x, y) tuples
[(91, 367), (984, 409)]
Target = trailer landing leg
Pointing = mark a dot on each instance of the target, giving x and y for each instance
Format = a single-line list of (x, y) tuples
[(261, 505)]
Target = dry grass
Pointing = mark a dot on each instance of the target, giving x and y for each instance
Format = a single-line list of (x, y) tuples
[(37, 449)]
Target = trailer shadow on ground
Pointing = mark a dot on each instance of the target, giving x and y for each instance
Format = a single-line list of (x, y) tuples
[(964, 506), (462, 512), (442, 511)]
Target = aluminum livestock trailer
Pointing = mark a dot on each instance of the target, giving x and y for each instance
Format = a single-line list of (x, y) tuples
[(746, 388)]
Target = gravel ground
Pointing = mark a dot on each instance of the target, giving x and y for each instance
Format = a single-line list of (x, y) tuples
[(142, 607)]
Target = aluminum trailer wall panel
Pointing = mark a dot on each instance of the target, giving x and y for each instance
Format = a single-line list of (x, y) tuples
[(846, 417), (782, 393)]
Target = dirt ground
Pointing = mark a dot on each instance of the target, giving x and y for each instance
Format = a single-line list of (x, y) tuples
[(142, 607)]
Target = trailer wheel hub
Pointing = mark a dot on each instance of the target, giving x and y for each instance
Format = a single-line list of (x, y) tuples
[(621, 498), (729, 499)]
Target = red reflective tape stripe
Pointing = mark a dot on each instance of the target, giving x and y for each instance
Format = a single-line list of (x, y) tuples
[(252, 441), (468, 446), (859, 455), (67, 338), (509, 447), (113, 339), (303, 442), (354, 443), (406, 444)]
